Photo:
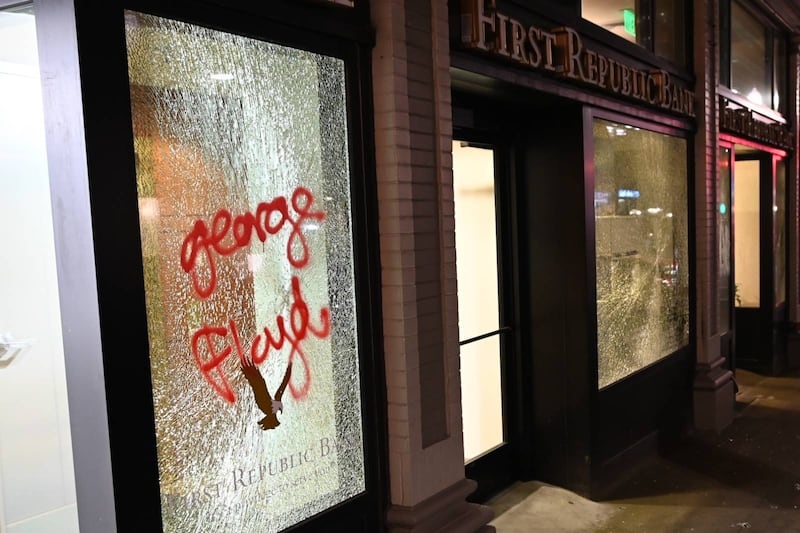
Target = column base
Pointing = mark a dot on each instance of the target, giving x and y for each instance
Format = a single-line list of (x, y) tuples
[(714, 396), (445, 511), (793, 347)]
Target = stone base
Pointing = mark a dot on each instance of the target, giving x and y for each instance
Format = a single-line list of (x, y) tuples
[(445, 511), (714, 396), (793, 347)]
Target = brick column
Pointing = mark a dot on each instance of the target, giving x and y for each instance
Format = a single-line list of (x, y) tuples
[(713, 384), (416, 224), (793, 183), (793, 204)]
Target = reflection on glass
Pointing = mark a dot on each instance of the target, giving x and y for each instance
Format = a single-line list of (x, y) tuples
[(779, 66), (243, 183), (668, 38), (747, 240), (724, 241), (750, 73), (478, 309), (641, 248), (779, 211)]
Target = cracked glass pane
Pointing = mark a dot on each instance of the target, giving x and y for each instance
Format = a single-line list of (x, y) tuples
[(641, 238), (244, 208)]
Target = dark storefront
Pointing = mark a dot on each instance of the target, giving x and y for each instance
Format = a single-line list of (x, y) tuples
[(590, 142)]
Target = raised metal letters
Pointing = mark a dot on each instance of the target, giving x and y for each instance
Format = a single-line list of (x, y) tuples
[(562, 52), (742, 121)]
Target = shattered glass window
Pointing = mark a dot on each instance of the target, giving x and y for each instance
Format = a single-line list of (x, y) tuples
[(641, 244), (244, 208)]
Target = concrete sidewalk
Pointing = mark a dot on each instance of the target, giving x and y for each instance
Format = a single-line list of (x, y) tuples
[(747, 477)]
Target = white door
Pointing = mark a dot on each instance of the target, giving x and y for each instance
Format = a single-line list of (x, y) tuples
[(37, 482)]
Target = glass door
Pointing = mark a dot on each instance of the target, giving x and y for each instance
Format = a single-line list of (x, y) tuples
[(725, 290), (37, 481), (759, 212), (483, 324)]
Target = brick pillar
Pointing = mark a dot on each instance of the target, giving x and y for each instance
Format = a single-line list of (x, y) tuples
[(793, 201), (793, 183), (416, 225), (713, 384)]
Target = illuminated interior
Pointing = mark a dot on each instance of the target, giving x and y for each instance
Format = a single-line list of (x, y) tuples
[(478, 310), (616, 16), (656, 25), (37, 479), (747, 252)]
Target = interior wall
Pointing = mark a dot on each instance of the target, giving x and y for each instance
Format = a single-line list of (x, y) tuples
[(478, 308), (36, 468), (747, 252)]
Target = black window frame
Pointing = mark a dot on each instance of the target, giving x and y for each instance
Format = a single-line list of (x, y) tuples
[(775, 42), (319, 27)]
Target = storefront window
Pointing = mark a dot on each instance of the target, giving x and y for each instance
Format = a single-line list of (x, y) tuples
[(641, 238), (753, 57), (656, 25), (244, 205)]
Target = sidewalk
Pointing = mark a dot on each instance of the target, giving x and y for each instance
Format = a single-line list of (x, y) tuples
[(747, 477)]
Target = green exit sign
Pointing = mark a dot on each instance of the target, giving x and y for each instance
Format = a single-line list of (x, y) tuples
[(629, 19)]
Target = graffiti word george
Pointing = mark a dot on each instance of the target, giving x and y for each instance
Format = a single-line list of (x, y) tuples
[(230, 233)]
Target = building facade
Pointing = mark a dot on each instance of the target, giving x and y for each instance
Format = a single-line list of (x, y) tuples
[(361, 265)]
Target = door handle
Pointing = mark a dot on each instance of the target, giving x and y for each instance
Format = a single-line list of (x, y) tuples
[(10, 348)]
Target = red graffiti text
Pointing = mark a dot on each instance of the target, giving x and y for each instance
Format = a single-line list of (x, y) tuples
[(209, 358), (230, 233)]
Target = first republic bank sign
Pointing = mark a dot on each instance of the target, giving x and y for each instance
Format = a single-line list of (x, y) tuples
[(560, 52)]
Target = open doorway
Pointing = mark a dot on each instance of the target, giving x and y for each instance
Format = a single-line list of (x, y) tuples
[(484, 312), (758, 250)]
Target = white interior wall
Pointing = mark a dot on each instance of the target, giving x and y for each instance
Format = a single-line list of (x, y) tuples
[(36, 470), (746, 232)]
